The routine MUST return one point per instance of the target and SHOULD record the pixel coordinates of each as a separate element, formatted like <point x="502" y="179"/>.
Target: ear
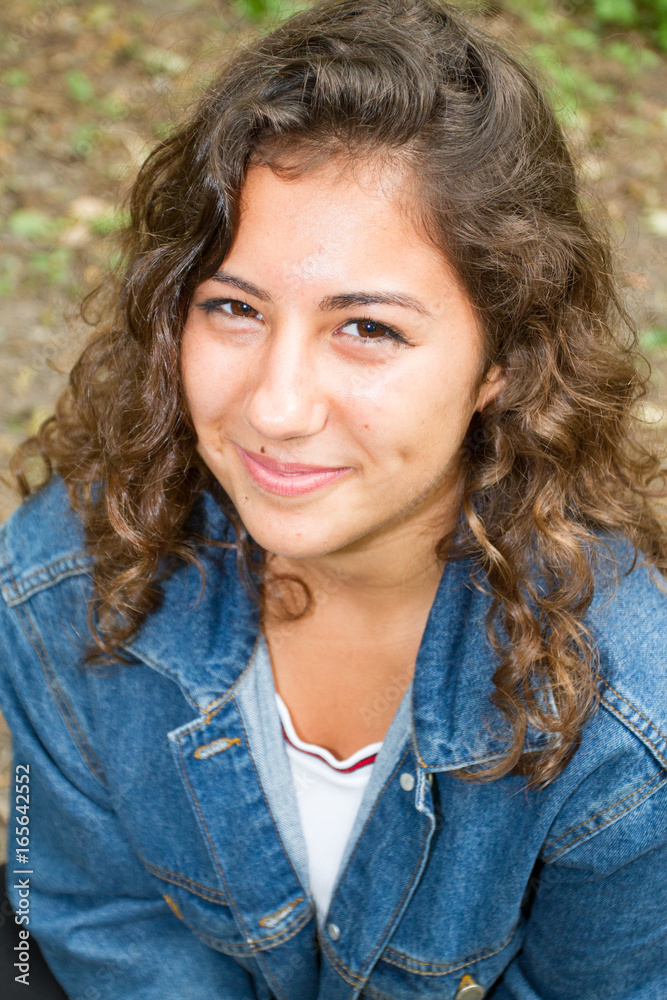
<point x="493" y="382"/>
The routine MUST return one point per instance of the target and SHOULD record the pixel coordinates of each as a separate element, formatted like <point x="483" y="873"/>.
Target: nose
<point x="284" y="398"/>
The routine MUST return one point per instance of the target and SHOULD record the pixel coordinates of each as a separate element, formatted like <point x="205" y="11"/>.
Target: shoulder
<point x="615" y="786"/>
<point x="46" y="582"/>
<point x="42" y="541"/>
<point x="43" y="694"/>
<point x="630" y="594"/>
<point x="628" y="623"/>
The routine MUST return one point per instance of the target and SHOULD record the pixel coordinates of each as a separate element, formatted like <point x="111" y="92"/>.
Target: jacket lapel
<point x="271" y="907"/>
<point x="453" y="721"/>
<point x="381" y="875"/>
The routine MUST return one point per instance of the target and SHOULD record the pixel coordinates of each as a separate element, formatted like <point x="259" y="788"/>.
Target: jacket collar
<point x="202" y="636"/>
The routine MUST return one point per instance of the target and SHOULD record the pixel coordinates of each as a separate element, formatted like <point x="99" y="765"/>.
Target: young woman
<point x="334" y="641"/>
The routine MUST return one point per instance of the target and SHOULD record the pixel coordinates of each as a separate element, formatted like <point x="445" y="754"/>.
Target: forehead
<point x="340" y="216"/>
<point x="372" y="187"/>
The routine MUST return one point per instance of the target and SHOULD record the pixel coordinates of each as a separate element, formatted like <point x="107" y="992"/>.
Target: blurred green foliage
<point x="274" y="10"/>
<point x="104" y="225"/>
<point x="52" y="266"/>
<point x="599" y="17"/>
<point x="32" y="224"/>
<point x="15" y="77"/>
<point x="79" y="87"/>
<point x="649" y="16"/>
<point x="654" y="338"/>
<point x="570" y="36"/>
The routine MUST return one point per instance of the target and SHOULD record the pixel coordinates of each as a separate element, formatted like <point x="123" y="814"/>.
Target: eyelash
<point x="213" y="305"/>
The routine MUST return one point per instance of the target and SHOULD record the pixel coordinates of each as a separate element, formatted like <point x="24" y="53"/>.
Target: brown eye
<point x="239" y="308"/>
<point x="368" y="328"/>
<point x="229" y="307"/>
<point x="368" y="331"/>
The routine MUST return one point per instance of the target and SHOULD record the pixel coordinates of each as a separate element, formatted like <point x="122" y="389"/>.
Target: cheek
<point x="421" y="415"/>
<point x="210" y="382"/>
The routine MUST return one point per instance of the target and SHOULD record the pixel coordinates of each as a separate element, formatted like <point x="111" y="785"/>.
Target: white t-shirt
<point x="328" y="793"/>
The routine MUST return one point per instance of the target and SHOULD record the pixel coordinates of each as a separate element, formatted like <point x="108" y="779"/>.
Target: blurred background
<point x="87" y="88"/>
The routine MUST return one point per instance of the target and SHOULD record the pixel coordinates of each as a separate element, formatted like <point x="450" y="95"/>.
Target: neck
<point x="379" y="576"/>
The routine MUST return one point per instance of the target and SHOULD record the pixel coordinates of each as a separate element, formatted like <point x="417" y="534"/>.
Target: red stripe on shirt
<point x="340" y="770"/>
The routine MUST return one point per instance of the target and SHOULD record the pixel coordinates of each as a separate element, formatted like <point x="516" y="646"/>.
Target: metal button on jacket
<point x="407" y="782"/>
<point x="469" y="989"/>
<point x="333" y="931"/>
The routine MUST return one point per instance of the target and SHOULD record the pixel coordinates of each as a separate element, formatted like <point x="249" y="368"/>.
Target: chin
<point x="291" y="547"/>
<point x="298" y="542"/>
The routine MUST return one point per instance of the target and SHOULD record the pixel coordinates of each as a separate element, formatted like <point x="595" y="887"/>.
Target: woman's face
<point x="333" y="336"/>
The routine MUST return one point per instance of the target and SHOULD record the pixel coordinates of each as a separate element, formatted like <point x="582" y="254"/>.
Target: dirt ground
<point x="87" y="87"/>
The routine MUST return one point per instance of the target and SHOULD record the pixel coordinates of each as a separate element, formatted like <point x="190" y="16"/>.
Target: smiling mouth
<point x="287" y="478"/>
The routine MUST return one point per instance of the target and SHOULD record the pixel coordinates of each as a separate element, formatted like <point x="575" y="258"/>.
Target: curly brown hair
<point x="556" y="461"/>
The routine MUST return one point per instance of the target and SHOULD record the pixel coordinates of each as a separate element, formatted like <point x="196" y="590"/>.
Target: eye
<point x="229" y="307"/>
<point x="370" y="331"/>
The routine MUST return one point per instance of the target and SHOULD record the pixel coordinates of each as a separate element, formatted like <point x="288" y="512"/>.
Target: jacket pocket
<point x="397" y="976"/>
<point x="202" y="908"/>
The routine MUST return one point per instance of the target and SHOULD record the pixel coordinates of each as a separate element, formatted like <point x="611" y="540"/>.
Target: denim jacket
<point x="165" y="858"/>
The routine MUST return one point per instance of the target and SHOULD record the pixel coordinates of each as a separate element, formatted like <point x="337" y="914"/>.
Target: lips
<point x="288" y="478"/>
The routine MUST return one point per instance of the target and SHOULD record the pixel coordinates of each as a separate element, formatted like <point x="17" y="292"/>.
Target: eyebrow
<point x="331" y="302"/>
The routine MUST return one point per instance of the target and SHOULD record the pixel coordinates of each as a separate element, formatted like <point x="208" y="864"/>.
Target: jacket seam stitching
<point x="350" y="977"/>
<point x="61" y="702"/>
<point x="261" y="788"/>
<point x="22" y="595"/>
<point x="374" y="992"/>
<point x="208" y="713"/>
<point x="58" y="697"/>
<point x="234" y="908"/>
<point x="410" y="883"/>
<point x="590" y="819"/>
<point x="230" y="693"/>
<point x="165" y="672"/>
<point x="184" y="883"/>
<point x="644" y="737"/>
<point x="479" y="759"/>
<point x="333" y="958"/>
<point x="257" y="943"/>
<point x="412" y="877"/>
<point x="447" y="970"/>
<point x="391" y="777"/>
<point x="602" y="826"/>
<point x="634" y="708"/>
